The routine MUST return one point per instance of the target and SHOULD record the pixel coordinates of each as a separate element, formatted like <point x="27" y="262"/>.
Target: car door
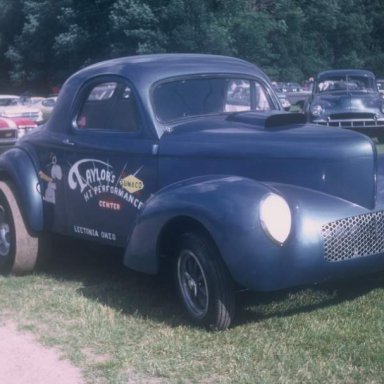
<point x="101" y="174"/>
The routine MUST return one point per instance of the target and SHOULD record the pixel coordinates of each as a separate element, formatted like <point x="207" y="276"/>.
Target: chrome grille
<point x="353" y="237"/>
<point x="353" y="120"/>
<point x="30" y="115"/>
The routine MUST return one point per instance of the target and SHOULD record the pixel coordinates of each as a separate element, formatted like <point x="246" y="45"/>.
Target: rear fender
<point x="17" y="166"/>
<point x="219" y="204"/>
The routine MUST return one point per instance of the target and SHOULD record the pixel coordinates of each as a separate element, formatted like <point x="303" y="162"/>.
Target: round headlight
<point x="316" y="110"/>
<point x="275" y="217"/>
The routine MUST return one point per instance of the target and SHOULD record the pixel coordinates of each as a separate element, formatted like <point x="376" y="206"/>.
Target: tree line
<point x="43" y="41"/>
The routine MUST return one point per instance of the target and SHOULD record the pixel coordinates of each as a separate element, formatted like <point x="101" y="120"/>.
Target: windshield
<point x="5" y="102"/>
<point x="204" y="96"/>
<point x="346" y="83"/>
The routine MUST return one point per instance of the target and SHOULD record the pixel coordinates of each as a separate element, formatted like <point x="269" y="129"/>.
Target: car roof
<point x="341" y="72"/>
<point x="151" y="68"/>
<point x="145" y="70"/>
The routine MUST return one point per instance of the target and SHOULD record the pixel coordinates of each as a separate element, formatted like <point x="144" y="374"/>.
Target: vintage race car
<point x="189" y="160"/>
<point x="347" y="98"/>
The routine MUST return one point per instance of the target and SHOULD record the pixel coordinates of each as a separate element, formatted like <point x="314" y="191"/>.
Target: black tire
<point x="203" y="282"/>
<point x="19" y="251"/>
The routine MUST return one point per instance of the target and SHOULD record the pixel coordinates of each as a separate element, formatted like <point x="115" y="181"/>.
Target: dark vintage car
<point x="347" y="98"/>
<point x="189" y="161"/>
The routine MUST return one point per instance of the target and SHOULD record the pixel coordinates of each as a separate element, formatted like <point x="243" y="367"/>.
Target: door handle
<point x="68" y="142"/>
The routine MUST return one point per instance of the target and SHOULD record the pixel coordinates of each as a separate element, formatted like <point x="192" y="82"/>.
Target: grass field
<point x="123" y="327"/>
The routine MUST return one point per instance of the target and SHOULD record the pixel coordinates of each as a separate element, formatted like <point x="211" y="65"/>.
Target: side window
<point x="238" y="97"/>
<point x="109" y="106"/>
<point x="262" y="101"/>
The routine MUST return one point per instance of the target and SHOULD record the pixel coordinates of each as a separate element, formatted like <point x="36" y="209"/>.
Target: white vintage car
<point x="10" y="107"/>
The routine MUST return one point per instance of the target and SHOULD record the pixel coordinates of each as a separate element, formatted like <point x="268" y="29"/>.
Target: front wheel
<point x="203" y="282"/>
<point x="19" y="251"/>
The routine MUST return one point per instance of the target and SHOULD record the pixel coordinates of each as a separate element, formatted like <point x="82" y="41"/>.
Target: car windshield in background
<point x="6" y="102"/>
<point x="178" y="99"/>
<point x="347" y="83"/>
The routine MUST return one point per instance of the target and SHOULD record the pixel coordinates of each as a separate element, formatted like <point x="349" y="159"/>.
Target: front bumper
<point x="351" y="120"/>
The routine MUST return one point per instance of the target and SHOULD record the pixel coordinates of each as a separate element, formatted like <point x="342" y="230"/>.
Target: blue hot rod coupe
<point x="191" y="159"/>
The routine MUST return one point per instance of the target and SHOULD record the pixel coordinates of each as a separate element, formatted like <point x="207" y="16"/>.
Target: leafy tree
<point x="11" y="21"/>
<point x="83" y="36"/>
<point x="30" y="53"/>
<point x="374" y="11"/>
<point x="134" y="28"/>
<point x="44" y="41"/>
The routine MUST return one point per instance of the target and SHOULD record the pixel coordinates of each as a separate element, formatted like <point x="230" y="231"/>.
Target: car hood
<point x="7" y="124"/>
<point x="23" y="121"/>
<point x="350" y="102"/>
<point x="273" y="148"/>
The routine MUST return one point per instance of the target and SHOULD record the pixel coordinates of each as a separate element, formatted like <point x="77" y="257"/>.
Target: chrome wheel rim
<point x="193" y="284"/>
<point x="5" y="244"/>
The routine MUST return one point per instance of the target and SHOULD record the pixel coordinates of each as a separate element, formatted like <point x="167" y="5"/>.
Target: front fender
<point x="17" y="166"/>
<point x="222" y="204"/>
<point x="228" y="208"/>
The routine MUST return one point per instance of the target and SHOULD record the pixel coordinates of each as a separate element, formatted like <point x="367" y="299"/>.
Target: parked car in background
<point x="292" y="95"/>
<point x="287" y="87"/>
<point x="30" y="100"/>
<point x="285" y="103"/>
<point x="44" y="104"/>
<point x="8" y="133"/>
<point x="347" y="98"/>
<point x="293" y="87"/>
<point x="12" y="107"/>
<point x="24" y="125"/>
<point x="188" y="162"/>
<point x="47" y="105"/>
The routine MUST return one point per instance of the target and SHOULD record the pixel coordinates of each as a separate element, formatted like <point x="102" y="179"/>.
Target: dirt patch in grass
<point x="23" y="360"/>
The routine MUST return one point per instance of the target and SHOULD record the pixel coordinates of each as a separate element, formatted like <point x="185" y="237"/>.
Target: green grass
<point x="119" y="326"/>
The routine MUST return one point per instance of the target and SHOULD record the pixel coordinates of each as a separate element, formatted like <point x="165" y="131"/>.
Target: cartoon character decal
<point x="54" y="176"/>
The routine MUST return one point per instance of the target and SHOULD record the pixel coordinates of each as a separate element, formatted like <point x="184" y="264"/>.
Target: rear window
<point x="109" y="106"/>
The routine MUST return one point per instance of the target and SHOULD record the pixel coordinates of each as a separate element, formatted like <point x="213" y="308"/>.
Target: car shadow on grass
<point x="255" y="306"/>
<point x="103" y="278"/>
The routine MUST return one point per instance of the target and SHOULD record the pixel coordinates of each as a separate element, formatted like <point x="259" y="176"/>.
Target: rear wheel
<point x="203" y="282"/>
<point x="19" y="251"/>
